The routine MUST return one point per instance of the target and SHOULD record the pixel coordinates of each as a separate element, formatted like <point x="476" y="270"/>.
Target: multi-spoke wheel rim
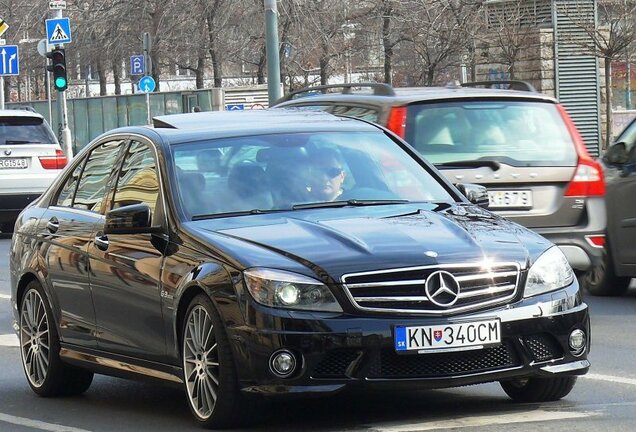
<point x="201" y="362"/>
<point x="34" y="338"/>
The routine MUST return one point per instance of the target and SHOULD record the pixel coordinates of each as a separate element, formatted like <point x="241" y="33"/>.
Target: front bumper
<point x="335" y="350"/>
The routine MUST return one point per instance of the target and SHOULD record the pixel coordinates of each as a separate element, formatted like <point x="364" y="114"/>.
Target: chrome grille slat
<point x="391" y="283"/>
<point x="403" y="290"/>
<point x="392" y="299"/>
<point x="490" y="290"/>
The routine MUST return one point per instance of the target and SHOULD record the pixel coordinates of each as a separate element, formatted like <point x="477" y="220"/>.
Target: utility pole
<point x="273" y="59"/>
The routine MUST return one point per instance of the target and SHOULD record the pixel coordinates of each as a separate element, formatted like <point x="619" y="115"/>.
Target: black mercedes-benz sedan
<point x="280" y="252"/>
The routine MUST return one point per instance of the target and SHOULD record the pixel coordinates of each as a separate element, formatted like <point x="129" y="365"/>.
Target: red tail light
<point x="397" y="121"/>
<point x="54" y="162"/>
<point x="588" y="178"/>
<point x="596" y="240"/>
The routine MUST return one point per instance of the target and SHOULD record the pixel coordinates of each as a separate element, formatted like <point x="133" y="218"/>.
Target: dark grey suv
<point x="519" y="143"/>
<point x="620" y="174"/>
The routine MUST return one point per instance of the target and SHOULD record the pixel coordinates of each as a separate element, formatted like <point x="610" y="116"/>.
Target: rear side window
<point x="361" y="112"/>
<point x="518" y="133"/>
<point x="25" y="130"/>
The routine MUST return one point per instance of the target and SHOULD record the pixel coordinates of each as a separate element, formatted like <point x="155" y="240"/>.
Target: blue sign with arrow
<point x="10" y="61"/>
<point x="235" y="107"/>
<point x="137" y="65"/>
<point x="146" y="84"/>
<point x="58" y="31"/>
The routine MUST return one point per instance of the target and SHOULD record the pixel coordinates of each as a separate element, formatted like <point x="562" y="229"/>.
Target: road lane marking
<point x="9" y="340"/>
<point x="36" y="424"/>
<point x="612" y="379"/>
<point x="488" y="420"/>
<point x="5" y="296"/>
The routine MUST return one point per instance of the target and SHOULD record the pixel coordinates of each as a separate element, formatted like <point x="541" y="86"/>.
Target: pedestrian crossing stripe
<point x="3" y="26"/>
<point x="59" y="34"/>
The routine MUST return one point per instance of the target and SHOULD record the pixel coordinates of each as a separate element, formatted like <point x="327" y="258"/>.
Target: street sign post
<point x="58" y="31"/>
<point x="147" y="84"/>
<point x="10" y="63"/>
<point x="137" y="65"/>
<point x="235" y="107"/>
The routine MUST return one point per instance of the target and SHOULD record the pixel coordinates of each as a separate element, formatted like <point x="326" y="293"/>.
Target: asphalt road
<point x="604" y="400"/>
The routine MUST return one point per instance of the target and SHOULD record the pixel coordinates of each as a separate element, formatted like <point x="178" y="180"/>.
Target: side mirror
<point x="130" y="219"/>
<point x="617" y="155"/>
<point x="476" y="194"/>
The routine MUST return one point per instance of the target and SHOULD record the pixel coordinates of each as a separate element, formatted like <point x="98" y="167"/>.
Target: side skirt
<point x="120" y="366"/>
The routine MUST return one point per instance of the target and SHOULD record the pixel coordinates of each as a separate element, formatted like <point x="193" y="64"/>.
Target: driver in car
<point x="326" y="175"/>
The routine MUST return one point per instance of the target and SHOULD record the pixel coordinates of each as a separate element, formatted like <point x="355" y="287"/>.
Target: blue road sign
<point x="10" y="60"/>
<point x="137" y="65"/>
<point x="146" y="84"/>
<point x="235" y="107"/>
<point x="58" y="31"/>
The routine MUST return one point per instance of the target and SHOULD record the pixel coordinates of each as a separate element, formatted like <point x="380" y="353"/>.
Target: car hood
<point x="345" y="240"/>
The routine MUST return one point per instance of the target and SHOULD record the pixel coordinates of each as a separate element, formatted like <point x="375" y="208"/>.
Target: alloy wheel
<point x="201" y="362"/>
<point x="35" y="340"/>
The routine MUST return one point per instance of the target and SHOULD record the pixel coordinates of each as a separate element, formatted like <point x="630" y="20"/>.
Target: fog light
<point x="577" y="341"/>
<point x="282" y="363"/>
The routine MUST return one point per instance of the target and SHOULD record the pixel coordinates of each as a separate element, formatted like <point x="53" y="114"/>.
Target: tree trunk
<point x="386" y="43"/>
<point x="262" y="63"/>
<point x="200" y="72"/>
<point x="324" y="73"/>
<point x="117" y="76"/>
<point x="608" y="105"/>
<point x="430" y="75"/>
<point x="217" y="69"/>
<point x="102" y="79"/>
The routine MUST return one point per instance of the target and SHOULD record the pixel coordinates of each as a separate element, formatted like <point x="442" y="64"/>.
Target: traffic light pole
<point x="63" y="131"/>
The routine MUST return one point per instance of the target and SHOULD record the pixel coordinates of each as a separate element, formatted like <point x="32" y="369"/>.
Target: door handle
<point x="53" y="225"/>
<point x="101" y="241"/>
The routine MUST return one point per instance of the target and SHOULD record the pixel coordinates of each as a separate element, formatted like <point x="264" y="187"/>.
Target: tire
<point x="45" y="372"/>
<point x="539" y="389"/>
<point x="602" y="279"/>
<point x="210" y="378"/>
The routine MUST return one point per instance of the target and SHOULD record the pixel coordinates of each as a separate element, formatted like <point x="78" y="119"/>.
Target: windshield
<point x="518" y="133"/>
<point x="291" y="171"/>
<point x="25" y="130"/>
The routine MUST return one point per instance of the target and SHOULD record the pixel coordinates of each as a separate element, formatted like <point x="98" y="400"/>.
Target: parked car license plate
<point x="510" y="199"/>
<point x="472" y="334"/>
<point x="13" y="163"/>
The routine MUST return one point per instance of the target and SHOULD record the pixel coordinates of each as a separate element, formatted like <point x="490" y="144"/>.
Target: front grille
<point x="543" y="347"/>
<point x="389" y="364"/>
<point x="335" y="363"/>
<point x="404" y="290"/>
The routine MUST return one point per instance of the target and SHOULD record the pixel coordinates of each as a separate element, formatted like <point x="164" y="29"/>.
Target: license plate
<point x="439" y="337"/>
<point x="510" y="199"/>
<point x="13" y="163"/>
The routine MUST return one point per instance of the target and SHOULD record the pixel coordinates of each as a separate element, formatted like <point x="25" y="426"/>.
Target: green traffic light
<point x="60" y="82"/>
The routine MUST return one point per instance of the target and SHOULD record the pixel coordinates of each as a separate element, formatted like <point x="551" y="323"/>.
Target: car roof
<point x="407" y="95"/>
<point x="19" y="113"/>
<point x="188" y="127"/>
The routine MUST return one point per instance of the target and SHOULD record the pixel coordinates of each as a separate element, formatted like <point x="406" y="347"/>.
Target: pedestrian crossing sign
<point x="58" y="31"/>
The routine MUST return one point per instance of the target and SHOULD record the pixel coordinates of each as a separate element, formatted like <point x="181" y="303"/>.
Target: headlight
<point x="550" y="272"/>
<point x="277" y="288"/>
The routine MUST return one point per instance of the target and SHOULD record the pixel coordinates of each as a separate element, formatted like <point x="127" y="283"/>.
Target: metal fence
<point x="90" y="117"/>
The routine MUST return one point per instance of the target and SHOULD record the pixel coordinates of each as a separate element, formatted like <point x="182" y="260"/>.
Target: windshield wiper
<point x="234" y="213"/>
<point x="351" y="202"/>
<point x="492" y="164"/>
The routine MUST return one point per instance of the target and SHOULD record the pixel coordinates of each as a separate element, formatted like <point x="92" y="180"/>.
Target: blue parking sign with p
<point x="137" y="65"/>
